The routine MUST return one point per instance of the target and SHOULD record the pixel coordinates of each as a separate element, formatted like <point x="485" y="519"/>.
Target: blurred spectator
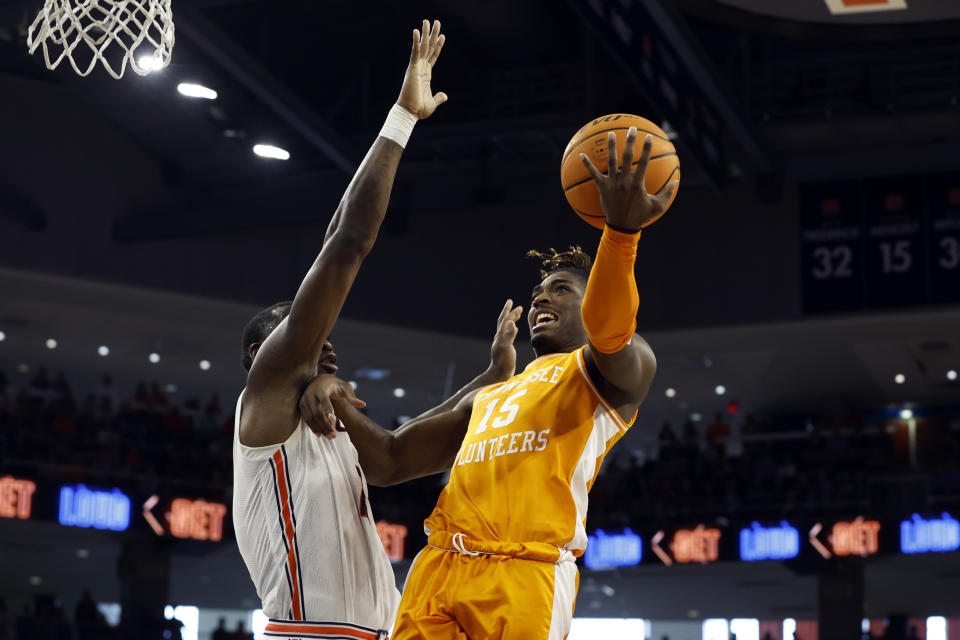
<point x="221" y="633"/>
<point x="666" y="437"/>
<point x="690" y="434"/>
<point x="719" y="428"/>
<point x="89" y="621"/>
<point x="241" y="633"/>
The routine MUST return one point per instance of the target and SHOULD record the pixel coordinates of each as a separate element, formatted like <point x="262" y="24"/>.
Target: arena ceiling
<point x="128" y="182"/>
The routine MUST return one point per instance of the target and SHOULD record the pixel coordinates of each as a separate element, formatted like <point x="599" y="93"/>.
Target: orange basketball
<point x="591" y="139"/>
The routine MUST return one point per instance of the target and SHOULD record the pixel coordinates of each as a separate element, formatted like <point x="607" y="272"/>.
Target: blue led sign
<point x="769" y="543"/>
<point x="919" y="535"/>
<point x="97" y="508"/>
<point x="605" y="551"/>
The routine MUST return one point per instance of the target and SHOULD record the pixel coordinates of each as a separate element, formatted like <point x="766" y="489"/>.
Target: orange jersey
<point x="533" y="448"/>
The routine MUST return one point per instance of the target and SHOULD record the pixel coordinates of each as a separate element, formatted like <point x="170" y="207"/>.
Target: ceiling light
<point x="695" y="417"/>
<point x="270" y="151"/>
<point x="170" y="388"/>
<point x="51" y="343"/>
<point x="154" y="357"/>
<point x="720" y="390"/>
<point x="192" y="90"/>
<point x="35" y="580"/>
<point x="23" y="367"/>
<point x="83" y="553"/>
<point x="671" y="392"/>
<point x="399" y="392"/>
<point x="353" y="385"/>
<point x="103" y="350"/>
<point x="951" y="375"/>
<point x="3" y="336"/>
<point x="205" y="365"/>
<point x="899" y="378"/>
<point x="906" y="414"/>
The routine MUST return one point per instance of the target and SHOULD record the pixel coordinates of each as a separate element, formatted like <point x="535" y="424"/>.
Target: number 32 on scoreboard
<point x="832" y="262"/>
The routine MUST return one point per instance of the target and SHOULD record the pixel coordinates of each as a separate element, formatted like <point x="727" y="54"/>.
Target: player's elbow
<point x="353" y="242"/>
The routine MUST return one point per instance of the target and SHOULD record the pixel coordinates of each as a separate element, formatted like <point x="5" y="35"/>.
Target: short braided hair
<point x="573" y="259"/>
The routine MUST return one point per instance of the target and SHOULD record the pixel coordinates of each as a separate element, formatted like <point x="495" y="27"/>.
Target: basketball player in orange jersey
<point x="302" y="520"/>
<point x="503" y="538"/>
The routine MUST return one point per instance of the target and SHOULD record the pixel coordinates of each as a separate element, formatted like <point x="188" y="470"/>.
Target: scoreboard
<point x="880" y="243"/>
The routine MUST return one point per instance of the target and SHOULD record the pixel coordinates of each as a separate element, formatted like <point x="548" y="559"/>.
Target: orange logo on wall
<point x="696" y="545"/>
<point x="858" y="538"/>
<point x="197" y="519"/>
<point x="16" y="496"/>
<point x="392" y="536"/>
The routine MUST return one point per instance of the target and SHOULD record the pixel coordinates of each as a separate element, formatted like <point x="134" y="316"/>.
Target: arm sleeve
<point x="611" y="301"/>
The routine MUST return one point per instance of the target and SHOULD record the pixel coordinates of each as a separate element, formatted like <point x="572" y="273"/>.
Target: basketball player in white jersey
<point x="301" y="515"/>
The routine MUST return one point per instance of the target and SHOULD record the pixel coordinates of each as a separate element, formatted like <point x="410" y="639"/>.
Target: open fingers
<point x="612" y="160"/>
<point x="434" y="35"/>
<point x="425" y="39"/>
<point x="505" y="311"/>
<point x="435" y="53"/>
<point x="592" y="168"/>
<point x="415" y="49"/>
<point x="644" y="161"/>
<point x="628" y="150"/>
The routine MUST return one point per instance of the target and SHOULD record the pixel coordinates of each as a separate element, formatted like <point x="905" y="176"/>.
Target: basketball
<point x="591" y="139"/>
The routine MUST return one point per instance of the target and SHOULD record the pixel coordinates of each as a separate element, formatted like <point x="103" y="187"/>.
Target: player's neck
<point x="551" y="349"/>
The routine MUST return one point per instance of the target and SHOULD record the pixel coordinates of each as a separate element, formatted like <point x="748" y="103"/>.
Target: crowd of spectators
<point x="813" y="467"/>
<point x="47" y="619"/>
<point x="758" y="468"/>
<point x="146" y="439"/>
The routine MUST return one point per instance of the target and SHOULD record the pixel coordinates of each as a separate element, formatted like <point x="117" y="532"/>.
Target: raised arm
<point x="289" y="356"/>
<point x="610" y="303"/>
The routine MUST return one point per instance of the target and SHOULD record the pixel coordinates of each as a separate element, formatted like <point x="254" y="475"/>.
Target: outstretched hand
<point x="316" y="403"/>
<point x="623" y="191"/>
<point x="416" y="96"/>
<point x="503" y="354"/>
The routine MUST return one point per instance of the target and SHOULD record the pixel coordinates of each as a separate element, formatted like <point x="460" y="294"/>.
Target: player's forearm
<point x="428" y="446"/>
<point x="419" y="448"/>
<point x="611" y="300"/>
<point x="349" y="239"/>
<point x="364" y="204"/>
<point x="372" y="442"/>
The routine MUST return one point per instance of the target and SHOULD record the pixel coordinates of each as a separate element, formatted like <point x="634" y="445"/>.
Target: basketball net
<point x="113" y="32"/>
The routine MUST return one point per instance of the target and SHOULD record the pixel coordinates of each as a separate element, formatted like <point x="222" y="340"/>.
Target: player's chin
<point x="540" y="341"/>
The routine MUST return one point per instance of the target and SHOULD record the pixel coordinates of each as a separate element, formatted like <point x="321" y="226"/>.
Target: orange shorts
<point x="455" y="595"/>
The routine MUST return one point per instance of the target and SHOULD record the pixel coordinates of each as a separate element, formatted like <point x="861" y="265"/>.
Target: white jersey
<point x="306" y="533"/>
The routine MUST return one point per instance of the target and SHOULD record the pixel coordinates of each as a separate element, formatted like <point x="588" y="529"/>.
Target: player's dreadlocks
<point x="574" y="259"/>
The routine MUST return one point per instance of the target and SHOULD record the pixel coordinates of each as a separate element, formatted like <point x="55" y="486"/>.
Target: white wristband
<point x="399" y="125"/>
